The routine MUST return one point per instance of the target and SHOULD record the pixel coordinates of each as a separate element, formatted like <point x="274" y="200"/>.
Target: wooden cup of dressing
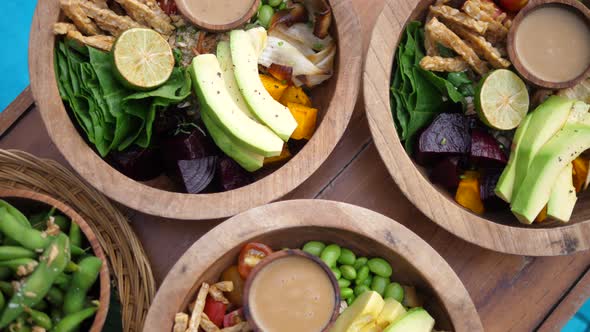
<point x="218" y="15"/>
<point x="549" y="43"/>
<point x="291" y="291"/>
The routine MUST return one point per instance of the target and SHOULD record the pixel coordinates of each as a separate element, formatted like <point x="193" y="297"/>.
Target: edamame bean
<point x="2" y="301"/>
<point x="346" y="293"/>
<point x="343" y="283"/>
<point x="55" y="296"/>
<point x="380" y="267"/>
<point x="330" y="255"/>
<point x="360" y="262"/>
<point x="75" y="235"/>
<point x="62" y="222"/>
<point x="5" y="273"/>
<point x="379" y="284"/>
<point x="71" y="322"/>
<point x="360" y="289"/>
<point x="26" y="236"/>
<point x="71" y="267"/>
<point x="347" y="257"/>
<point x="368" y="281"/>
<point x="41" y="306"/>
<point x="15" y="213"/>
<point x="394" y="291"/>
<point x="275" y="3"/>
<point x="362" y="274"/>
<point x="12" y="252"/>
<point x="336" y="272"/>
<point x="39" y="318"/>
<point x="82" y="280"/>
<point x="348" y="272"/>
<point x="314" y="248"/>
<point x="265" y="14"/>
<point x="350" y="300"/>
<point x="6" y="288"/>
<point x="63" y="281"/>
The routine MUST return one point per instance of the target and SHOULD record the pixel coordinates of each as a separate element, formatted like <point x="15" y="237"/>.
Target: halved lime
<point x="143" y="58"/>
<point x="502" y="100"/>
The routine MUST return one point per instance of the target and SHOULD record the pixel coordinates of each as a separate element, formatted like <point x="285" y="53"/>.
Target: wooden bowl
<point x="291" y="224"/>
<point x="27" y="200"/>
<point x="199" y="21"/>
<point x="524" y="72"/>
<point x="335" y="100"/>
<point x="495" y="231"/>
<point x="282" y="254"/>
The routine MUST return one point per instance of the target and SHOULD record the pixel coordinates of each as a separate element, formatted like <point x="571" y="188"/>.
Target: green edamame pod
<point x="27" y="237"/>
<point x="2" y="301"/>
<point x="274" y="3"/>
<point x="55" y="296"/>
<point x="379" y="284"/>
<point x="330" y="255"/>
<point x="83" y="279"/>
<point x="5" y="273"/>
<point x="14" y="264"/>
<point x="12" y="252"/>
<point x="77" y="251"/>
<point x="71" y="267"/>
<point x="19" y="326"/>
<point x="348" y="272"/>
<point x="35" y="287"/>
<point x="314" y="248"/>
<point x="336" y="272"/>
<point x="265" y="13"/>
<point x="41" y="306"/>
<point x="360" y="289"/>
<point x="394" y="291"/>
<point x="62" y="222"/>
<point x="56" y="315"/>
<point x="39" y="318"/>
<point x="360" y="262"/>
<point x="343" y="283"/>
<point x="362" y="274"/>
<point x="71" y="322"/>
<point x="6" y="288"/>
<point x="346" y="292"/>
<point x="15" y="213"/>
<point x="380" y="267"/>
<point x="350" y="300"/>
<point x="367" y="282"/>
<point x="75" y="235"/>
<point x="347" y="257"/>
<point x="63" y="281"/>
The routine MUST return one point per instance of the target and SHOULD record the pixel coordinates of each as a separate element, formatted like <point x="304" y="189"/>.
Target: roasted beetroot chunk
<point x="447" y="172"/>
<point x="230" y="175"/>
<point x="137" y="163"/>
<point x="486" y="150"/>
<point x="197" y="174"/>
<point x="448" y="135"/>
<point x="487" y="186"/>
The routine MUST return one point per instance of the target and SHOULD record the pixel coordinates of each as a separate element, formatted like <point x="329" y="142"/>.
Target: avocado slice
<point x="249" y="160"/>
<point x="505" y="185"/>
<point x="269" y="111"/>
<point x="392" y="310"/>
<point x="365" y="309"/>
<point x="415" y="320"/>
<point x="549" y="162"/>
<point x="212" y="93"/>
<point x="227" y="70"/>
<point x="563" y="196"/>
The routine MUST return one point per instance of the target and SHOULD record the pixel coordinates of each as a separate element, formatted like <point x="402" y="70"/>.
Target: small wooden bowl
<point x="27" y="200"/>
<point x="335" y="100"/>
<point x="199" y="21"/>
<point x="273" y="258"/>
<point x="495" y="231"/>
<point x="291" y="224"/>
<point x="524" y="72"/>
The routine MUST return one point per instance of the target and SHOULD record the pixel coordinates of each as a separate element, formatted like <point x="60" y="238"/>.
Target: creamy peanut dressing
<point x="553" y="43"/>
<point x="218" y="12"/>
<point x="291" y="294"/>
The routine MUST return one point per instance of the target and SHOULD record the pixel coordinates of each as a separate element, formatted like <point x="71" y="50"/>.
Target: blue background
<point x="15" y="25"/>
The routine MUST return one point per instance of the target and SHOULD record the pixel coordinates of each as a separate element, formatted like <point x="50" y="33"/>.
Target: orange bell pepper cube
<point x="284" y="156"/>
<point x="306" y="118"/>
<point x="580" y="173"/>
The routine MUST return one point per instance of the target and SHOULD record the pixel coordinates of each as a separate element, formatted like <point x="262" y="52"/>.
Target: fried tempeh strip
<point x="207" y="325"/>
<point x="101" y="42"/>
<point x="217" y="295"/>
<point x="155" y="7"/>
<point x="482" y="47"/>
<point x="74" y="12"/>
<point x="101" y="3"/>
<point x="453" y="15"/>
<point x="195" y="321"/>
<point x="180" y="322"/>
<point x="476" y="9"/>
<point x="146" y="16"/>
<point x="225" y="286"/>
<point x="446" y="37"/>
<point x="240" y="327"/>
<point x="108" y="20"/>
<point x="429" y="45"/>
<point x="437" y="63"/>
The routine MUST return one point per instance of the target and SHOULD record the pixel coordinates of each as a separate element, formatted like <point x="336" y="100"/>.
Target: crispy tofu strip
<point x="477" y="10"/>
<point x="195" y="321"/>
<point x="101" y="3"/>
<point x="225" y="286"/>
<point x="207" y="325"/>
<point x="482" y="47"/>
<point x="101" y="42"/>
<point x="453" y="15"/>
<point x="146" y="16"/>
<point x="180" y="322"/>
<point x="240" y="327"/>
<point x="437" y="63"/>
<point x="429" y="45"/>
<point x="217" y="295"/>
<point x="62" y="28"/>
<point x="448" y="38"/>
<point x="108" y="20"/>
<point x="73" y="10"/>
<point x="155" y="7"/>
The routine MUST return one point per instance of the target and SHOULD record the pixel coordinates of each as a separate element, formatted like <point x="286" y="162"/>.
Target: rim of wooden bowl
<point x="149" y="200"/>
<point x="180" y="282"/>
<point x="533" y="5"/>
<point x="416" y="187"/>
<point x="105" y="284"/>
<point x="182" y="6"/>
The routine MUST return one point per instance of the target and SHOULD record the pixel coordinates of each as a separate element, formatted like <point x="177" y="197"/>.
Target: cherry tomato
<point x="232" y="274"/>
<point x="168" y="6"/>
<point x="215" y="310"/>
<point x="250" y="256"/>
<point x="513" y="5"/>
<point x="233" y="318"/>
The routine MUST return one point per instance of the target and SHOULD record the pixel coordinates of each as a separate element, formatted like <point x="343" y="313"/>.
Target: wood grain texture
<point x="15" y="110"/>
<point x="522" y="70"/>
<point x="500" y="233"/>
<point x="336" y="99"/>
<point x="291" y="224"/>
<point x="26" y="199"/>
<point x="193" y="16"/>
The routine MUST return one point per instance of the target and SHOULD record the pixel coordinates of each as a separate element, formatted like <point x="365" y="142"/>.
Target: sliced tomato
<point x="168" y="6"/>
<point x="233" y="318"/>
<point x="250" y="256"/>
<point x="215" y="310"/>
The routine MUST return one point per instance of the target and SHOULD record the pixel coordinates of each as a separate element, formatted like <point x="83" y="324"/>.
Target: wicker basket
<point x="127" y="260"/>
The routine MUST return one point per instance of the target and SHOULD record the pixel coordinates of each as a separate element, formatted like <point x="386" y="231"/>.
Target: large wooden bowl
<point x="27" y="200"/>
<point x="291" y="224"/>
<point x="335" y="100"/>
<point x="499" y="231"/>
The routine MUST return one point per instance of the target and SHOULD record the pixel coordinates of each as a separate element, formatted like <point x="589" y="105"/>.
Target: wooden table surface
<point x="511" y="293"/>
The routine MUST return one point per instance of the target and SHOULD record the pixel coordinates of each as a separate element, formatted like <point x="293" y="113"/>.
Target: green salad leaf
<point x="112" y="116"/>
<point x="418" y="95"/>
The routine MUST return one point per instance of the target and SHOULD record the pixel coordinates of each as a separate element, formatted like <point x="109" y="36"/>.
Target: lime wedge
<point x="502" y="100"/>
<point x="143" y="58"/>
